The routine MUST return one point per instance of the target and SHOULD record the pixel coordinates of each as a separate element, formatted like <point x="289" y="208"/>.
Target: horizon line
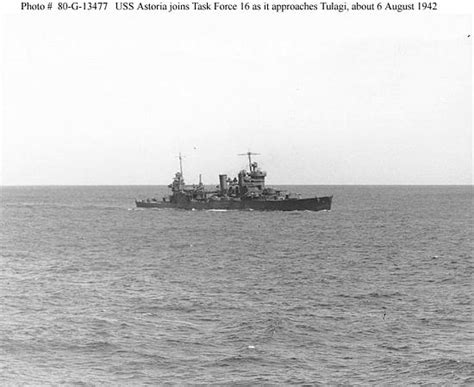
<point x="297" y="184"/>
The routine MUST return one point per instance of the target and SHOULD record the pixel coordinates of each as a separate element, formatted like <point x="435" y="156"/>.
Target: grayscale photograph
<point x="276" y="194"/>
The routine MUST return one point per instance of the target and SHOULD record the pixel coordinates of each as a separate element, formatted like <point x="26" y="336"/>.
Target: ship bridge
<point x="257" y="176"/>
<point x="254" y="180"/>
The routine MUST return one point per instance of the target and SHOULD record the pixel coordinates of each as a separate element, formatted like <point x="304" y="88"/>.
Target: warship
<point x="247" y="191"/>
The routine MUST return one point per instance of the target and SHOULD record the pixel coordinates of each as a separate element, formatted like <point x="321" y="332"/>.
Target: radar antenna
<point x="249" y="154"/>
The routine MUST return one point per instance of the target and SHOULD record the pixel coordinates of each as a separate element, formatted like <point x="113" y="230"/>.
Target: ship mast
<point x="249" y="154"/>
<point x="180" y="164"/>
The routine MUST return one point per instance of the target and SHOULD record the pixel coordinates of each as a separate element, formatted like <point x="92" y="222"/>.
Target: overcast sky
<point x="112" y="99"/>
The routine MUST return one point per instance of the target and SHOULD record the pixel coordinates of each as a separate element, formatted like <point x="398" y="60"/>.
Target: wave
<point x="447" y="367"/>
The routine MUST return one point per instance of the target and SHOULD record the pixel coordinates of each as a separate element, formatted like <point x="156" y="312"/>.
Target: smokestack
<point x="223" y="184"/>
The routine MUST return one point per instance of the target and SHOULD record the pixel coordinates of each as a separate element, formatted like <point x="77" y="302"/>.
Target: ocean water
<point x="376" y="291"/>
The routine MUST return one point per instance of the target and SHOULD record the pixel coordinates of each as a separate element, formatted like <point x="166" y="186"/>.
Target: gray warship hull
<point x="308" y="204"/>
